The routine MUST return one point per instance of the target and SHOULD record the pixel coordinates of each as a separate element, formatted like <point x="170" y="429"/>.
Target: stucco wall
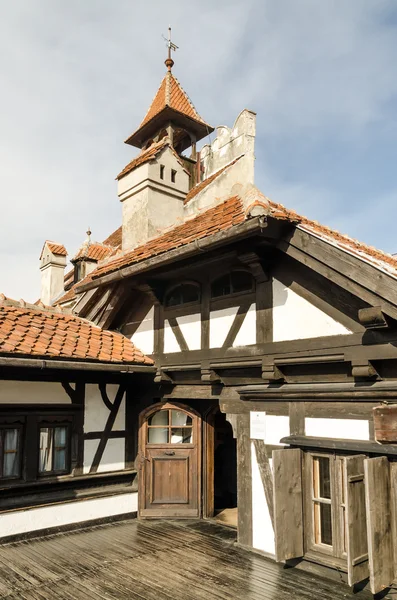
<point x="32" y="392"/>
<point x="143" y="337"/>
<point x="34" y="519"/>
<point x="295" y="318"/>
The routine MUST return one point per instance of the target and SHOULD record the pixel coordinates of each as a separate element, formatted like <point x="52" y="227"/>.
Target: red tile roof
<point x="114" y="238"/>
<point x="211" y="221"/>
<point x="144" y="157"/>
<point x="94" y="251"/>
<point x="32" y="331"/>
<point x="55" y="248"/>
<point x="171" y="94"/>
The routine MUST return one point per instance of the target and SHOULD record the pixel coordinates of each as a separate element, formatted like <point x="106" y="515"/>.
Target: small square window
<point x="162" y="167"/>
<point x="54" y="450"/>
<point x="173" y="175"/>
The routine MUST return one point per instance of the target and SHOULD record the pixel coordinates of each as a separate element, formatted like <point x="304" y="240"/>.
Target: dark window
<point x="173" y="175"/>
<point x="183" y="294"/>
<point x="162" y="167"/>
<point x="232" y="283"/>
<point x="10" y="453"/>
<point x="54" y="450"/>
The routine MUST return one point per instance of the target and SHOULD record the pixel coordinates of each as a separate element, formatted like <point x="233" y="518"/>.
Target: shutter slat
<point x="356" y="527"/>
<point x="288" y="508"/>
<point x="379" y="524"/>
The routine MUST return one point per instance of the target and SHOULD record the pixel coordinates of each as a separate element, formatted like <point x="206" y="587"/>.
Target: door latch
<point x="169" y="453"/>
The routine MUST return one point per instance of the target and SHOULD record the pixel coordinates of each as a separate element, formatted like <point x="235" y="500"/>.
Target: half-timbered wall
<point x="32" y="392"/>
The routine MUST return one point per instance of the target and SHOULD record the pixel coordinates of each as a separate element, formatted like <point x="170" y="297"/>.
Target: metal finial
<point x="88" y="232"/>
<point x="169" y="63"/>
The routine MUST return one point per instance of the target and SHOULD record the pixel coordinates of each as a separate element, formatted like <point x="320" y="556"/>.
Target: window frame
<point x="53" y="424"/>
<point x="337" y="551"/>
<point x="183" y="305"/>
<point x="20" y="428"/>
<point x="218" y="299"/>
<point x="174" y="173"/>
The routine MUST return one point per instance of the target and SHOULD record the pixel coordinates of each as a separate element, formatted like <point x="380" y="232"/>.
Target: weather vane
<point x="171" y="47"/>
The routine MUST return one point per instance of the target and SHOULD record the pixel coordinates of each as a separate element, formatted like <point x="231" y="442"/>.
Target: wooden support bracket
<point x="252" y="261"/>
<point x="162" y="377"/>
<point x="373" y="318"/>
<point x="271" y="373"/>
<point x="210" y="376"/>
<point x="364" y="369"/>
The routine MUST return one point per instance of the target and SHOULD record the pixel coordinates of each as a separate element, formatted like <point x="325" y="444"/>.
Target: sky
<point x="77" y="77"/>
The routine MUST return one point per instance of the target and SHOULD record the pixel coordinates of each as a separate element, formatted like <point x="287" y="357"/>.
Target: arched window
<point x="235" y="282"/>
<point x="184" y="293"/>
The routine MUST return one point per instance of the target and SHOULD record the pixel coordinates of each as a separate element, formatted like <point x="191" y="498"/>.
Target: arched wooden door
<point x="170" y="462"/>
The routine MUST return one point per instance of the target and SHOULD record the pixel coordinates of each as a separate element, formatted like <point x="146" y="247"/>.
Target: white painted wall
<point x="32" y="392"/>
<point x="34" y="519"/>
<point x="277" y="427"/>
<point x="346" y="429"/>
<point x="95" y="411"/>
<point x="190" y="325"/>
<point x="220" y="324"/>
<point x="247" y="333"/>
<point x="262" y="528"/>
<point x="143" y="337"/>
<point x="113" y="458"/>
<point x="294" y="318"/>
<point x="170" y="341"/>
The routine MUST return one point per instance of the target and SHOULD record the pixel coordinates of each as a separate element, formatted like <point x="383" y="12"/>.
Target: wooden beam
<point x="262" y="460"/>
<point x="244" y="481"/>
<point x="366" y="447"/>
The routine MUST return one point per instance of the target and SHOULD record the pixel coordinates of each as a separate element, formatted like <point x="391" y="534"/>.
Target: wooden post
<point x="244" y="481"/>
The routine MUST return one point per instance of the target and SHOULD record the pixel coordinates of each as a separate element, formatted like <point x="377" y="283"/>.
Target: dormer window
<point x="173" y="175"/>
<point x="185" y="293"/>
<point x="162" y="168"/>
<point x="236" y="282"/>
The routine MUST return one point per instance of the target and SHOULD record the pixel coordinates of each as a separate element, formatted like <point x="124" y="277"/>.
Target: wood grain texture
<point x="288" y="507"/>
<point x="244" y="481"/>
<point x="379" y="523"/>
<point x="356" y="519"/>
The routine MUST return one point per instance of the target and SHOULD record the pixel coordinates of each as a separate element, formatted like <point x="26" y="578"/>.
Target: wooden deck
<point x="153" y="560"/>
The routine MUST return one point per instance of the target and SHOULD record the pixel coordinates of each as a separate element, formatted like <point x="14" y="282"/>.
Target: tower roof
<point x="171" y="103"/>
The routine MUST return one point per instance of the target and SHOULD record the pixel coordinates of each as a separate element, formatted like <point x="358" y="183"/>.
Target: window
<point x="173" y="175"/>
<point x="53" y="457"/>
<point x="184" y="293"/>
<point x="162" y="167"/>
<point x="232" y="283"/>
<point x="326" y="510"/>
<point x="10" y="453"/>
<point x="170" y="427"/>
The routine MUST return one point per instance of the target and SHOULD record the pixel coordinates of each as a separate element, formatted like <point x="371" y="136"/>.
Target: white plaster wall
<point x="262" y="528"/>
<point x="277" y="427"/>
<point x="295" y="318"/>
<point x="95" y="411"/>
<point x="247" y="333"/>
<point x="346" y="429"/>
<point x="170" y="341"/>
<point x="34" y="519"/>
<point x="220" y="324"/>
<point x="190" y="325"/>
<point x="143" y="337"/>
<point x="113" y="458"/>
<point x="32" y="392"/>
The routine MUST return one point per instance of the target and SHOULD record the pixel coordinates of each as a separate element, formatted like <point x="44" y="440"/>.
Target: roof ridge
<point x="40" y="306"/>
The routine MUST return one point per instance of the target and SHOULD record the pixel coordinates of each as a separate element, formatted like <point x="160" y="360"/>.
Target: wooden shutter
<point x="378" y="505"/>
<point x="356" y="519"/>
<point x="288" y="508"/>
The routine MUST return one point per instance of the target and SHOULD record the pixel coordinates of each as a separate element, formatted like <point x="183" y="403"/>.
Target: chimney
<point x="52" y="267"/>
<point x="152" y="193"/>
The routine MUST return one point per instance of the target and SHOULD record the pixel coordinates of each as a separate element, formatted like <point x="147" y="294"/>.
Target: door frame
<point x="143" y="417"/>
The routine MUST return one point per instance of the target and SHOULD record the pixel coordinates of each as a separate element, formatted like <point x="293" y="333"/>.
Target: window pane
<point x="321" y="478"/>
<point x="178" y="417"/>
<point x="159" y="418"/>
<point x="183" y="294"/>
<point x="60" y="459"/>
<point x="241" y="281"/>
<point x="11" y="453"/>
<point x="326" y="524"/>
<point x="221" y="287"/>
<point x="158" y="435"/>
<point x="181" y="435"/>
<point x="46" y="441"/>
<point x="60" y="436"/>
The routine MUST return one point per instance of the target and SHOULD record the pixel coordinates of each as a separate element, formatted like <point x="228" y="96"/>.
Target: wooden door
<point x="170" y="460"/>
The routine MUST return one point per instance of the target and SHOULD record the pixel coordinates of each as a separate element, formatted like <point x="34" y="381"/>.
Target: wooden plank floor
<point x="153" y="560"/>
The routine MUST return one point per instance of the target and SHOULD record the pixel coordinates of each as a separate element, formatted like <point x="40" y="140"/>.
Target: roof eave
<point x="210" y="242"/>
<point x="143" y="133"/>
<point x="77" y="365"/>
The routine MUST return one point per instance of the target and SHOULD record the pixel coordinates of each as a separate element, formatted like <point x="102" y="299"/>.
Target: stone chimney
<point x="152" y="193"/>
<point x="52" y="267"/>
